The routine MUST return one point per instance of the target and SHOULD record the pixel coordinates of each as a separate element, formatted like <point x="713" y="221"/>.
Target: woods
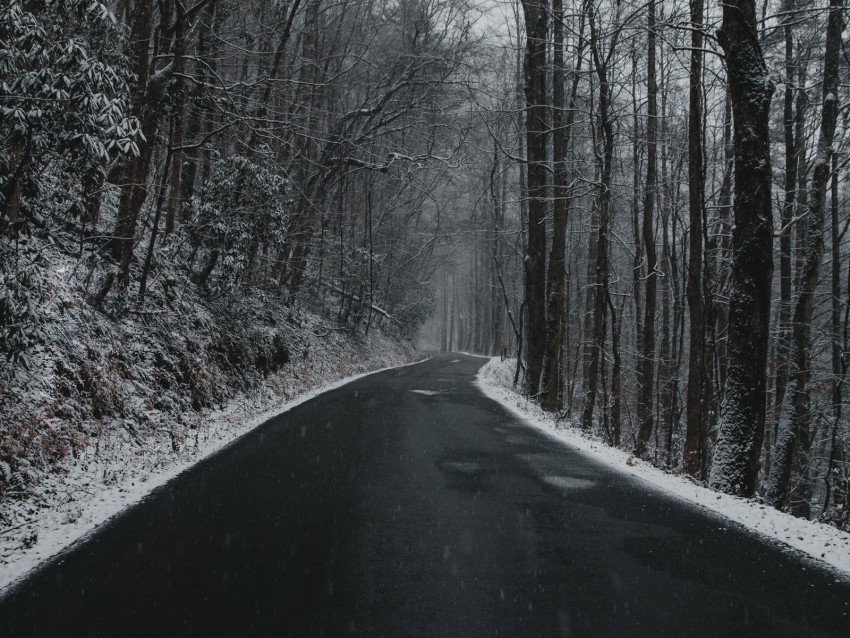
<point x="645" y="201"/>
<point x="690" y="215"/>
<point x="193" y="191"/>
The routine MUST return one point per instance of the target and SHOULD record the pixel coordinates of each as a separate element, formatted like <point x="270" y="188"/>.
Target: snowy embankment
<point x="823" y="543"/>
<point x="118" y="470"/>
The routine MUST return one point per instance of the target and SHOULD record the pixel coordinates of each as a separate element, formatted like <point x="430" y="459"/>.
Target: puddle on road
<point x="427" y="393"/>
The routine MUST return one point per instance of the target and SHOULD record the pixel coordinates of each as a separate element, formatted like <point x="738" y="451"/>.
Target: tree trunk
<point x="741" y="428"/>
<point x="181" y="43"/>
<point x="794" y="421"/>
<point x="694" y="454"/>
<point x="783" y="342"/>
<point x="536" y="23"/>
<point x="646" y="361"/>
<point x="562" y="122"/>
<point x="835" y="325"/>
<point x="724" y="257"/>
<point x="497" y="313"/>
<point x="616" y="376"/>
<point x="637" y="260"/>
<point x="606" y="159"/>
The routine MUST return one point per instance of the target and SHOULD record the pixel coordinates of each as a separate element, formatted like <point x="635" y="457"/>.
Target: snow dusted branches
<point x="64" y="96"/>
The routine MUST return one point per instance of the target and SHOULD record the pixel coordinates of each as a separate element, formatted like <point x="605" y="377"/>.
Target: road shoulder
<point x="81" y="502"/>
<point x="822" y="544"/>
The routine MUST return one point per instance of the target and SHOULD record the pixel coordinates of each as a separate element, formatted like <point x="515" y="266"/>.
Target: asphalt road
<point x="408" y="504"/>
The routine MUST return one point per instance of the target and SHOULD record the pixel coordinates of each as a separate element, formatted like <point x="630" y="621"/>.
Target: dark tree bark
<point x="794" y="423"/>
<point x="536" y="26"/>
<point x="563" y="117"/>
<point x="838" y="360"/>
<point x="181" y="43"/>
<point x="497" y="314"/>
<point x="741" y="428"/>
<point x="637" y="260"/>
<point x="444" y="324"/>
<point x="646" y="361"/>
<point x="694" y="454"/>
<point x="723" y="258"/>
<point x="801" y="142"/>
<point x="605" y="159"/>
<point x="787" y="214"/>
<point x="146" y="268"/>
<point x="195" y="163"/>
<point x="616" y="376"/>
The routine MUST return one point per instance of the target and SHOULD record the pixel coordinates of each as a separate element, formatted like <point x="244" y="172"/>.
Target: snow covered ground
<point x="116" y="473"/>
<point x="822" y="543"/>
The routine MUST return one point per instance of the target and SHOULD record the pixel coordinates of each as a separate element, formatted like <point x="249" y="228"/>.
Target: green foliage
<point x="64" y="96"/>
<point x="239" y="219"/>
<point x="23" y="286"/>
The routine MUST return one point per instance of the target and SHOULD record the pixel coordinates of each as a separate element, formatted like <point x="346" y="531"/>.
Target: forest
<point x="644" y="201"/>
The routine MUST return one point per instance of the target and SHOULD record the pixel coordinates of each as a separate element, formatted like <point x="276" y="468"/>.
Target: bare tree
<point x="794" y="424"/>
<point x="695" y="462"/>
<point x="741" y="428"/>
<point x="646" y="362"/>
<point x="536" y="44"/>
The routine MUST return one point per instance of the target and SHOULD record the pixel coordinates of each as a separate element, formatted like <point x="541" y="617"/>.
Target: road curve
<point x="408" y="504"/>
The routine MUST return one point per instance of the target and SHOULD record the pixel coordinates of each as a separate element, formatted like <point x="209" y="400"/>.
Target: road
<point x="408" y="504"/>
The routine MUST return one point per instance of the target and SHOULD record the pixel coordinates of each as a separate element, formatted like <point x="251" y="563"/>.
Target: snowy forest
<point x="666" y="247"/>
<point x="644" y="202"/>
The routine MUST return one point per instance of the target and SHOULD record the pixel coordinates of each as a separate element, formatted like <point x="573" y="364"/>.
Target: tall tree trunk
<point x="606" y="160"/>
<point x="556" y="312"/>
<point x="198" y="115"/>
<point x="694" y="460"/>
<point x="637" y="260"/>
<point x="783" y="340"/>
<point x="801" y="143"/>
<point x="146" y="268"/>
<point x="668" y="338"/>
<point x="795" y="419"/>
<point x="563" y="117"/>
<point x="181" y="43"/>
<point x="444" y="324"/>
<point x="741" y="428"/>
<point x="723" y="259"/>
<point x="646" y="361"/>
<point x="450" y="346"/>
<point x="536" y="23"/>
<point x="497" y="313"/>
<point x="835" y="325"/>
<point x="616" y="375"/>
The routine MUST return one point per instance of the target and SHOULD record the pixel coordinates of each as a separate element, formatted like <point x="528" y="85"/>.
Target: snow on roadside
<point x="99" y="485"/>
<point x="823" y="543"/>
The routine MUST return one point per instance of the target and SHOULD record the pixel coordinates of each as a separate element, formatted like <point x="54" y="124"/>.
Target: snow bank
<point x="106" y="478"/>
<point x="822" y="543"/>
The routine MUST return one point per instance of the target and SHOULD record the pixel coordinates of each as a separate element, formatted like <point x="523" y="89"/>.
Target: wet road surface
<point x="408" y="504"/>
